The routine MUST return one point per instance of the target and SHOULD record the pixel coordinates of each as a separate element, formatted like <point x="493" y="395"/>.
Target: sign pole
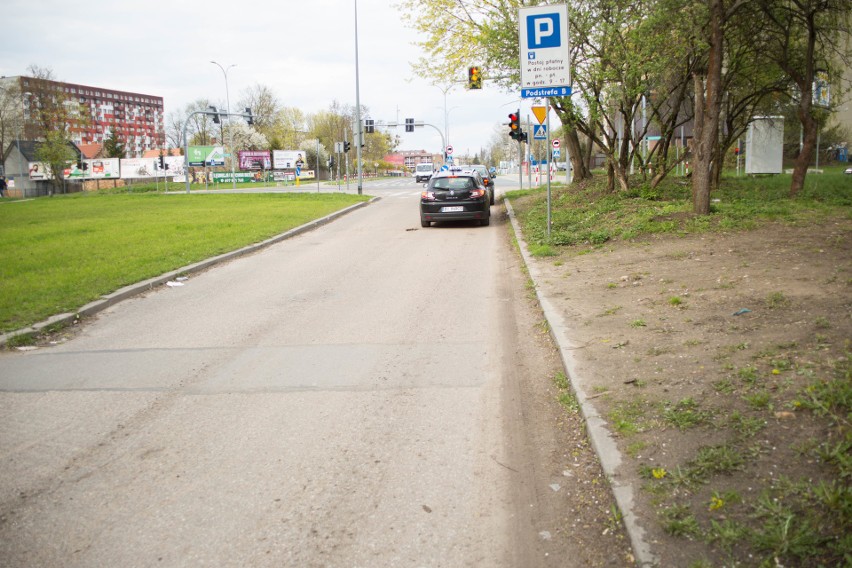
<point x="547" y="153"/>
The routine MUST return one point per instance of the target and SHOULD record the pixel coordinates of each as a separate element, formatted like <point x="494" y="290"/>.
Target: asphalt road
<point x="336" y="399"/>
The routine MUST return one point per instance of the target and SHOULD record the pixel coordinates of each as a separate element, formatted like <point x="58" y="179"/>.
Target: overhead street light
<point x="230" y="130"/>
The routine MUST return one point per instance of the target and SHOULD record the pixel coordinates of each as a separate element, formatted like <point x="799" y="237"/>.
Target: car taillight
<point x="485" y="180"/>
<point x="477" y="192"/>
<point x="427" y="195"/>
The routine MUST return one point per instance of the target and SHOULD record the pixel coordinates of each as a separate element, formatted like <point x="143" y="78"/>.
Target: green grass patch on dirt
<point x="587" y="214"/>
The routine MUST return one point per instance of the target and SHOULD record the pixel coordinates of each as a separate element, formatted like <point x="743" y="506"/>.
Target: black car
<point x="455" y="196"/>
<point x="487" y="179"/>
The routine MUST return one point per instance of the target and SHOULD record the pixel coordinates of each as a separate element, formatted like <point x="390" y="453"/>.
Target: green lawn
<point x="57" y="254"/>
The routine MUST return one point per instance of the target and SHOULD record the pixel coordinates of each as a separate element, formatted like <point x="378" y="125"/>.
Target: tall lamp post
<point x="230" y="130"/>
<point x="359" y="139"/>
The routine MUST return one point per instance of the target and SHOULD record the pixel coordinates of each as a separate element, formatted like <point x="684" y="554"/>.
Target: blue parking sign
<point x="543" y="31"/>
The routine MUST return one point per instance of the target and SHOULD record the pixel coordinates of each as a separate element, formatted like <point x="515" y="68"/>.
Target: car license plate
<point x="452" y="209"/>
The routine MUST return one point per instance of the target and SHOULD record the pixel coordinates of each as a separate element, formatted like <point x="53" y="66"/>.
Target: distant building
<point x="136" y="119"/>
<point x="413" y="157"/>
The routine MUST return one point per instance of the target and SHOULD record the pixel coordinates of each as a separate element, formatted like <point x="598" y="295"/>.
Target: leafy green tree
<point x="806" y="39"/>
<point x="56" y="151"/>
<point x="113" y="148"/>
<point x="264" y="105"/>
<point x="11" y="113"/>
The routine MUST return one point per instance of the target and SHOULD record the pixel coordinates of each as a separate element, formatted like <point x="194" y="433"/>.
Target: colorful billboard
<point x="255" y="159"/>
<point x="39" y="170"/>
<point x="206" y="156"/>
<point x="102" y="168"/>
<point x="288" y="159"/>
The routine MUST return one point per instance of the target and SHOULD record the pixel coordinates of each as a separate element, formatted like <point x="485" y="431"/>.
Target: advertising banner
<point x="39" y="170"/>
<point x="137" y="167"/>
<point x="255" y="159"/>
<point x="174" y="166"/>
<point x="206" y="156"/>
<point x="288" y="159"/>
<point x="106" y="168"/>
<point x="71" y="171"/>
<point x="226" y="176"/>
<point x="283" y="176"/>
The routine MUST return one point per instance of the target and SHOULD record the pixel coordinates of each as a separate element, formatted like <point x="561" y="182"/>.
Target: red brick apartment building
<point x="136" y="119"/>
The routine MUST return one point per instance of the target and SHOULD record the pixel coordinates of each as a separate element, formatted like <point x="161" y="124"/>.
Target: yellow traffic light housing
<point x="474" y="77"/>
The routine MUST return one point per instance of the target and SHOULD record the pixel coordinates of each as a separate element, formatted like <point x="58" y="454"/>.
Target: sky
<point x="303" y="51"/>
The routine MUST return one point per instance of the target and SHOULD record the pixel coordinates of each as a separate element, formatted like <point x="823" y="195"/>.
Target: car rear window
<point x="454" y="183"/>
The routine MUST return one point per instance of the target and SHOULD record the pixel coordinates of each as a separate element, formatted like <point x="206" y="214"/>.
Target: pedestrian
<point x="2" y="186"/>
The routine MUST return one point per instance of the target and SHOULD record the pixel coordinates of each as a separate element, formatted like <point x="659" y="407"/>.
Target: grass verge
<point x="60" y="253"/>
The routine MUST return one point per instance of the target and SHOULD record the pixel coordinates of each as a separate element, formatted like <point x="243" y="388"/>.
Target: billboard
<point x="206" y="156"/>
<point x="71" y="171"/>
<point x="288" y="159"/>
<point x="39" y="170"/>
<point x="104" y="168"/>
<point x="137" y="167"/>
<point x="255" y="159"/>
<point x="174" y="166"/>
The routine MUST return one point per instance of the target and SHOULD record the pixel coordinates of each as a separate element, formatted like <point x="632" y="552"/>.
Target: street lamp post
<point x="230" y="129"/>
<point x="359" y="139"/>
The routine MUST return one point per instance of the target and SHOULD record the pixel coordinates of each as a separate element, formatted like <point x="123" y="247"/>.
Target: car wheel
<point x="425" y="223"/>
<point x="485" y="222"/>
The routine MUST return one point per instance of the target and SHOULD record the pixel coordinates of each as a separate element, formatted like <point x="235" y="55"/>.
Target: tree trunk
<point x="610" y="177"/>
<point x="800" y="169"/>
<point x="708" y="102"/>
<point x="575" y="151"/>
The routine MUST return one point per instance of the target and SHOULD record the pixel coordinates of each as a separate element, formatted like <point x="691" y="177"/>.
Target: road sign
<point x="557" y="153"/>
<point x="555" y="143"/>
<point x="449" y="150"/>
<point x="539" y="132"/>
<point x="540" y="113"/>
<point x="545" y="52"/>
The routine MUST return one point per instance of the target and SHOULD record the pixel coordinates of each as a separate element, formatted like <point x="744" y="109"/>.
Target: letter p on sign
<point x="543" y="31"/>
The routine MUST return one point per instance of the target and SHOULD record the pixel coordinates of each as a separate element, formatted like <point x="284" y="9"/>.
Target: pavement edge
<point x="599" y="435"/>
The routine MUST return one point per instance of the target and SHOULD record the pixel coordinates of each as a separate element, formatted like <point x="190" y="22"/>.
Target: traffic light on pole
<point x="249" y="117"/>
<point x="515" y="125"/>
<point x="474" y="78"/>
<point x="162" y="162"/>
<point x="347" y="146"/>
<point x="212" y="110"/>
<point x="369" y="126"/>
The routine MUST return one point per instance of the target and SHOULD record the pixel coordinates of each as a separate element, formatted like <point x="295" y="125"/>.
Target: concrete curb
<point x="600" y="437"/>
<point x="140" y="287"/>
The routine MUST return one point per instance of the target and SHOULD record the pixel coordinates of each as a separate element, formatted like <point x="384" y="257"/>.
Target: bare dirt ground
<point x="697" y="350"/>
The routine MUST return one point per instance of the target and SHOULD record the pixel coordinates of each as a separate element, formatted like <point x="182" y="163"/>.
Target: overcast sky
<point x="303" y="51"/>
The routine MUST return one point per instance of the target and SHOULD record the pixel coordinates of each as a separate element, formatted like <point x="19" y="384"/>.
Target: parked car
<point x="455" y="195"/>
<point x="487" y="179"/>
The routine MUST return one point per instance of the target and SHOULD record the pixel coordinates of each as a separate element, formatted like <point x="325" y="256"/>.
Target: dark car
<point x="455" y="196"/>
<point x="487" y="179"/>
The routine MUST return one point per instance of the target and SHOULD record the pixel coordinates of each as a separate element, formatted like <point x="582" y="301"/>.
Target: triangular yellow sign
<point x="540" y="113"/>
